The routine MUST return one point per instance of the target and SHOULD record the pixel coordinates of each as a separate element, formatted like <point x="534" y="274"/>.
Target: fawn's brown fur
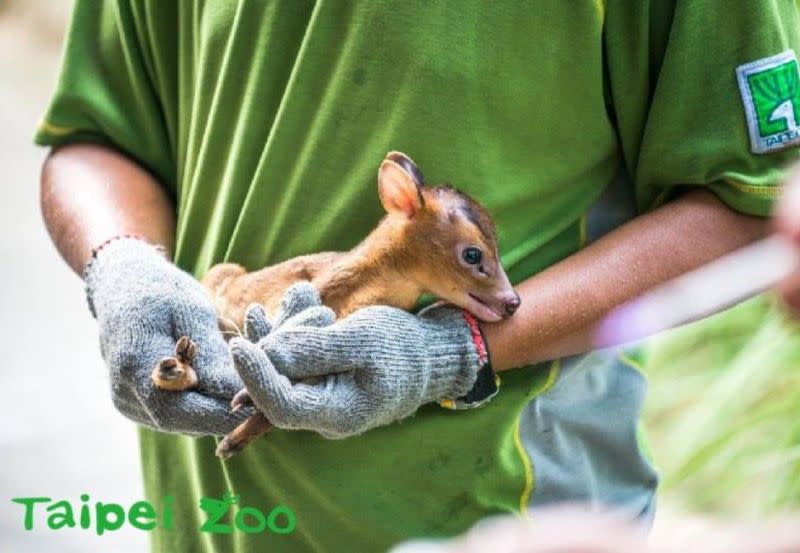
<point x="419" y="246"/>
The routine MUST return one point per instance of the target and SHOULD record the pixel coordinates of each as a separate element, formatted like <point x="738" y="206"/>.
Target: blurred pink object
<point x="702" y="292"/>
<point x="578" y="529"/>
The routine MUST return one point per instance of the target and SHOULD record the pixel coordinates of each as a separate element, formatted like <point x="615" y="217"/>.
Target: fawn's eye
<point x="472" y="255"/>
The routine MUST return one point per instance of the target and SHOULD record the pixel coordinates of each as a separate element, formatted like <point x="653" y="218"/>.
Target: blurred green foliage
<point x="723" y="412"/>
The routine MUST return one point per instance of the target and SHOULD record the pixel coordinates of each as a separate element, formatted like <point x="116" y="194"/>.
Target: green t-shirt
<point x="266" y="122"/>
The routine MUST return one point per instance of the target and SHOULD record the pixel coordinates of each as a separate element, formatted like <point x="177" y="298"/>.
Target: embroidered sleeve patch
<point x="771" y="97"/>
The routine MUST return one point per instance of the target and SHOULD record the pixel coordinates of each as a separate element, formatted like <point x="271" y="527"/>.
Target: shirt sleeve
<point x="683" y="92"/>
<point x="107" y="91"/>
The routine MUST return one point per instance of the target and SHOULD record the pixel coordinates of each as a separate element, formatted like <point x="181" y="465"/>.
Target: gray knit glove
<point x="143" y="305"/>
<point x="378" y="365"/>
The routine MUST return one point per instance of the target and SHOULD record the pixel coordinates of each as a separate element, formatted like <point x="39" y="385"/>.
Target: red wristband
<point x="477" y="337"/>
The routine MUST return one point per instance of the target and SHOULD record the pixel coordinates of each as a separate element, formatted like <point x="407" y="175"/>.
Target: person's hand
<point x="787" y="219"/>
<point x="376" y="366"/>
<point x="143" y="305"/>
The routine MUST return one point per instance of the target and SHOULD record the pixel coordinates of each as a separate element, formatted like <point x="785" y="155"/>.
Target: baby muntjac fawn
<point x="434" y="239"/>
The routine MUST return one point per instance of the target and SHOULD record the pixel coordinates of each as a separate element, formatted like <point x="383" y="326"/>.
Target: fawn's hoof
<point x="176" y="373"/>
<point x="241" y="399"/>
<point x="228" y="447"/>
<point x="254" y="426"/>
<point x="185" y="349"/>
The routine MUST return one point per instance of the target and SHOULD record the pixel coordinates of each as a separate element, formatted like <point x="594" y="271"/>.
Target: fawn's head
<point x="449" y="241"/>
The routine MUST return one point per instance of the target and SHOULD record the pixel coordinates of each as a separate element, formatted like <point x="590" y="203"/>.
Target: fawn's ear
<point x="400" y="185"/>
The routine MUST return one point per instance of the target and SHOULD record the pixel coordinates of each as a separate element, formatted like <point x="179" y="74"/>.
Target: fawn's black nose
<point x="512" y="305"/>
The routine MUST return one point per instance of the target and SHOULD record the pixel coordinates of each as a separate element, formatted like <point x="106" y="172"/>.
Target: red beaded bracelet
<point x="116" y="237"/>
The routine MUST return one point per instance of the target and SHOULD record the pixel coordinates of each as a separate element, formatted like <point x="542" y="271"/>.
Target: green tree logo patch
<point x="771" y="94"/>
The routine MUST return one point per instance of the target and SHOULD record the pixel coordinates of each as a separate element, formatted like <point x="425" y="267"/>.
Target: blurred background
<point x="723" y="412"/>
<point x="61" y="436"/>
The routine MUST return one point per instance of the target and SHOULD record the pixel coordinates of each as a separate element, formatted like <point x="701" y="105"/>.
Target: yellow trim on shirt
<point x="767" y="191"/>
<point x="530" y="477"/>
<point x="631" y="362"/>
<point x="55" y="130"/>
<point x="527" y="490"/>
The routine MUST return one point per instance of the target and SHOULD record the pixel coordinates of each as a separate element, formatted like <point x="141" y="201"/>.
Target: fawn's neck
<point x="378" y="271"/>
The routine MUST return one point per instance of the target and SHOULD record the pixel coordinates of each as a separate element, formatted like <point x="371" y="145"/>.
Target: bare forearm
<point x="91" y="193"/>
<point x="561" y="305"/>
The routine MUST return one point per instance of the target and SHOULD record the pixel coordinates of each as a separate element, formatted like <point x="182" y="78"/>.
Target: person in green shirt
<point x="616" y="145"/>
